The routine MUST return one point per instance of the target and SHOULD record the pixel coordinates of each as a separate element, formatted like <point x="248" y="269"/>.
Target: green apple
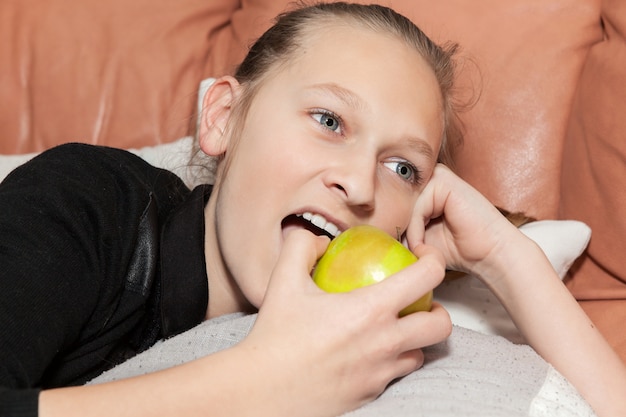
<point x="364" y="255"/>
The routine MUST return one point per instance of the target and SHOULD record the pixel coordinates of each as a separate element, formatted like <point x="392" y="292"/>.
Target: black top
<point x="101" y="255"/>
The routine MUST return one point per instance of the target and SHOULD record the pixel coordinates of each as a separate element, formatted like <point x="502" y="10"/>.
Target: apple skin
<point x="361" y="256"/>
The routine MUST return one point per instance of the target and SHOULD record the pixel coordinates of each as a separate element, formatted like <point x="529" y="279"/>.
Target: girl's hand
<point x="334" y="352"/>
<point x="456" y="219"/>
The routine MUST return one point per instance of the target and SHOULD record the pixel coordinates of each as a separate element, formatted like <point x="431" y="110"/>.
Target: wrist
<point x="514" y="262"/>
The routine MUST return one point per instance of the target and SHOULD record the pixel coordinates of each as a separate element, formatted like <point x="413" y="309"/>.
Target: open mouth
<point x="314" y="223"/>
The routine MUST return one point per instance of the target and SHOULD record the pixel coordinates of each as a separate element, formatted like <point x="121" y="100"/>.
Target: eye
<point x="405" y="170"/>
<point x="328" y="120"/>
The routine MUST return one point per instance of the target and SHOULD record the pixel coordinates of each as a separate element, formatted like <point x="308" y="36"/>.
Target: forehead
<point x="380" y="70"/>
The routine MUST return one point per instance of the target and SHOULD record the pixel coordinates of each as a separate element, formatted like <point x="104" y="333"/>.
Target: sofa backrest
<point x="593" y="181"/>
<point x="117" y="72"/>
<point x="125" y="73"/>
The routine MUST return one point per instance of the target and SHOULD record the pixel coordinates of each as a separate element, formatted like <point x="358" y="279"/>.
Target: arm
<point x="476" y="238"/>
<point x="324" y="353"/>
<point x="219" y="384"/>
<point x="559" y="330"/>
<point x="65" y="242"/>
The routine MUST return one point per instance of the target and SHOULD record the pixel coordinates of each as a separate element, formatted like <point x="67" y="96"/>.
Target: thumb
<point x="301" y="250"/>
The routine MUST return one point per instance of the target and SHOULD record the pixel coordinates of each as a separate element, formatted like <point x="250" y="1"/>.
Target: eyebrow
<point x="348" y="97"/>
<point x="421" y="147"/>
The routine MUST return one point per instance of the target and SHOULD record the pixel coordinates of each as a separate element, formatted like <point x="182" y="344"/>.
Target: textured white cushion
<point x="470" y="375"/>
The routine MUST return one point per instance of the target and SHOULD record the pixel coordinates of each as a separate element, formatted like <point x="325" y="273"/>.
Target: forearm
<point x="557" y="328"/>
<point x="225" y="383"/>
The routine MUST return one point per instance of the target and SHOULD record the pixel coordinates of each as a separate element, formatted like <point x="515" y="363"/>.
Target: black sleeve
<point x="22" y="403"/>
<point x="68" y="224"/>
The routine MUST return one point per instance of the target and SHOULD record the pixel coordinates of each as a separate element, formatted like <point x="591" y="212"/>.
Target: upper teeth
<point x="322" y="223"/>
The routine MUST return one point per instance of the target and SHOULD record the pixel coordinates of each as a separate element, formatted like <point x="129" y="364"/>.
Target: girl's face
<point x="347" y="133"/>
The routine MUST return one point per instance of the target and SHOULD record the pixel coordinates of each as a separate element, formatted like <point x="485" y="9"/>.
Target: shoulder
<point x="81" y="168"/>
<point x="90" y="159"/>
<point x="87" y="187"/>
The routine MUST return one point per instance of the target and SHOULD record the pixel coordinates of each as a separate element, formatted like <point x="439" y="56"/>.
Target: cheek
<point x="393" y="212"/>
<point x="248" y="216"/>
<point x="248" y="260"/>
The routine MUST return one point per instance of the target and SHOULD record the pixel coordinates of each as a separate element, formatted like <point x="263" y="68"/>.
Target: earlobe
<point x="216" y="111"/>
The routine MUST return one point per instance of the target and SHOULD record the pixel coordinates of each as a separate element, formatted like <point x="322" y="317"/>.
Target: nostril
<point x="340" y="189"/>
<point x="343" y="191"/>
<point x="356" y="197"/>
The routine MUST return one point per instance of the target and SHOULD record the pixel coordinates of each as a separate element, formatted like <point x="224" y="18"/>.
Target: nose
<point x="354" y="179"/>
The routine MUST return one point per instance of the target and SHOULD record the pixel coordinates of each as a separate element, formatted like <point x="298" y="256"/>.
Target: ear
<point x="216" y="111"/>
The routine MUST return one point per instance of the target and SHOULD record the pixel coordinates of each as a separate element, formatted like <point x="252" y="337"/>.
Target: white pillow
<point x="9" y="162"/>
<point x="470" y="374"/>
<point x="174" y="156"/>
<point x="472" y="305"/>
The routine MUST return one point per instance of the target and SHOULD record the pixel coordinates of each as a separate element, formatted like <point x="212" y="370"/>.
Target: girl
<point x="340" y="111"/>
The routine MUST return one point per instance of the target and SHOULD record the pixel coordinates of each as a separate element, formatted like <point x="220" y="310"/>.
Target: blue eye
<point x="405" y="170"/>
<point x="328" y="120"/>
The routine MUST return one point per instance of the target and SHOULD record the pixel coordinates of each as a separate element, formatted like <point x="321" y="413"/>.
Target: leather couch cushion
<point x="117" y="72"/>
<point x="529" y="55"/>
<point x="125" y="73"/>
<point x="594" y="174"/>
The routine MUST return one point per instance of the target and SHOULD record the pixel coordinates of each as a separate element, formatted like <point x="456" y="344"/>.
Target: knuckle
<point x="416" y="360"/>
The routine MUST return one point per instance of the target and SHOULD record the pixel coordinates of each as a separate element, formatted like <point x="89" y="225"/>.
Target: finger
<point x="415" y="232"/>
<point x="404" y="287"/>
<point x="421" y="216"/>
<point x="421" y="330"/>
<point x="409" y="361"/>
<point x="425" y="328"/>
<point x="429" y="205"/>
